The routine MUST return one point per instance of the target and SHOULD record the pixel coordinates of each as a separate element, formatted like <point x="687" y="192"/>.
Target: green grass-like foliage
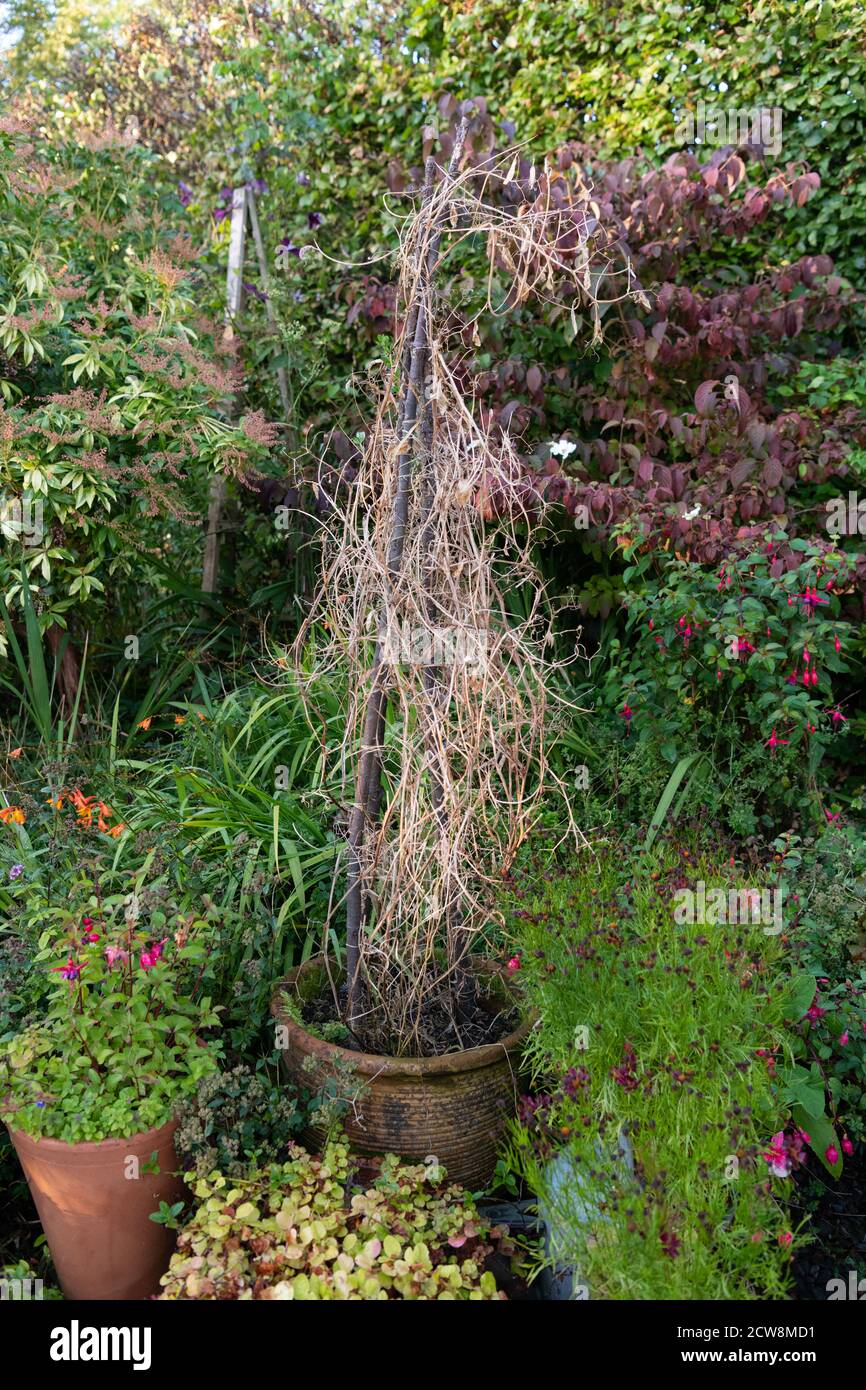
<point x="673" y="1016"/>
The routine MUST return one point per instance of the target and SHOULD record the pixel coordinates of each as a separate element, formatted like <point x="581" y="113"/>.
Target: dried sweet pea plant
<point x="448" y="694"/>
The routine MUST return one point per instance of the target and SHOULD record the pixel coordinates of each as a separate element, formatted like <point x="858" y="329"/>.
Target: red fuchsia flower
<point x="811" y="599"/>
<point x="513" y="965"/>
<point x="785" y="1238"/>
<point x="832" y="816"/>
<point x="91" y="936"/>
<point x="813" y="1013"/>
<point x="847" y="1146"/>
<point x="837" y="645"/>
<point x="843" y="1038"/>
<point x="806" y="656"/>
<point x="773" y="742"/>
<point x="831" y="1153"/>
<point x="69" y="971"/>
<point x="836" y="716"/>
<point x="627" y="713"/>
<point x="87" y="922"/>
<point x="814" y="676"/>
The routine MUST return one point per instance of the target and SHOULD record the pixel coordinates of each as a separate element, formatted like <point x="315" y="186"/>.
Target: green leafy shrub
<point x="296" y="1231"/>
<point x="825" y="880"/>
<point x="120" y="1040"/>
<point x="115" y="402"/>
<point x="741" y="664"/>
<point x="235" y="1119"/>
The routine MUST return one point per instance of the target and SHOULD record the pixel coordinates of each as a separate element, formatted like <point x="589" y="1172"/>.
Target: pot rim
<point x="377" y="1064"/>
<point x="86" y="1146"/>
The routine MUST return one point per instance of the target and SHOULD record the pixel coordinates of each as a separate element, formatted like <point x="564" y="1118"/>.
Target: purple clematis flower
<point x="314" y="220"/>
<point x="184" y="193"/>
<point x="16" y="871"/>
<point x="255" y="291"/>
<point x="285" y="249"/>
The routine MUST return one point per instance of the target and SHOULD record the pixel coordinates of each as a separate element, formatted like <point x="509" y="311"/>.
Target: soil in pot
<point x="455" y="1105"/>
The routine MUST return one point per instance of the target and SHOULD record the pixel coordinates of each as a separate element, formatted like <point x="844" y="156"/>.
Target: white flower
<point x="562" y="448"/>
<point x="690" y="515"/>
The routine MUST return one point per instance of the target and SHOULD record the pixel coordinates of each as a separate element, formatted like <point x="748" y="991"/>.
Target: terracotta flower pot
<point x="454" y="1106"/>
<point x="95" y="1211"/>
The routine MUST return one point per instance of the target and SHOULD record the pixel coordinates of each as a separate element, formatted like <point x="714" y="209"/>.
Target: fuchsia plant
<point x="733" y="658"/>
<point x="123" y="1038"/>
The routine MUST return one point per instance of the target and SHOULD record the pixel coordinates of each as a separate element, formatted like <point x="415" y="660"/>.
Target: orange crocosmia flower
<point x="117" y="830"/>
<point x="12" y="814"/>
<point x="180" y="718"/>
<point x="146" y="723"/>
<point x="16" y="752"/>
<point x="200" y="715"/>
<point x="56" y="802"/>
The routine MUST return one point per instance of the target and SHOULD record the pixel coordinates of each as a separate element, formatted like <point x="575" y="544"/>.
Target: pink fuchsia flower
<point x="837" y="645"/>
<point x="513" y="965"/>
<point x="773" y="742"/>
<point x="777" y="1158"/>
<point x="69" y="971"/>
<point x="847" y="1146"/>
<point x="115" y="955"/>
<point x="832" y="816"/>
<point x="154" y="953"/>
<point x="843" y="1038"/>
<point x="814" y="1013"/>
<point x="785" y="1238"/>
<point x="831" y="1153"/>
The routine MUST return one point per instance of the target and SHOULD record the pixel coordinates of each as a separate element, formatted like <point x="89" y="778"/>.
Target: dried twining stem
<point x="448" y="693"/>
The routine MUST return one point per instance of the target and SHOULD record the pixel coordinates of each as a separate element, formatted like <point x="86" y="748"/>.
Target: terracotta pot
<point x="454" y="1106"/>
<point x="95" y="1216"/>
